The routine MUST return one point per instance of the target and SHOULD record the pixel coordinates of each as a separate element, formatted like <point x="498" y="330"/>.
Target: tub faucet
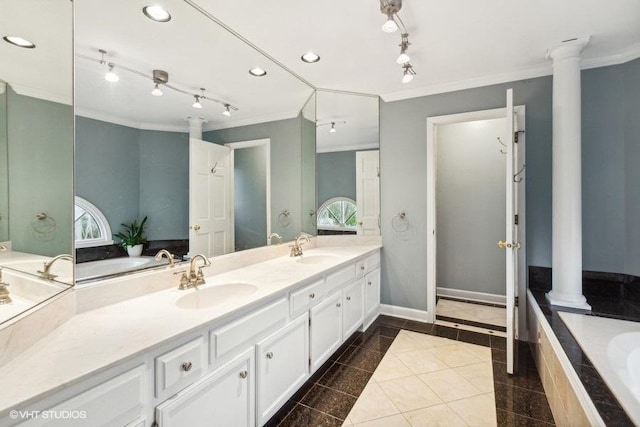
<point x="163" y="253"/>
<point x="45" y="273"/>
<point x="296" y="249"/>
<point x="4" y="292"/>
<point x="277" y="236"/>
<point x="194" y="277"/>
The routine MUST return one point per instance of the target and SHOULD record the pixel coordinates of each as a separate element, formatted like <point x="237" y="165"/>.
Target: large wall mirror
<point x="139" y="76"/>
<point x="348" y="179"/>
<point x="36" y="152"/>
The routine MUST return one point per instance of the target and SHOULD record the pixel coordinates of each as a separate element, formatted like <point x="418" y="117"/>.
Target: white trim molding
<point x="471" y="296"/>
<point x="405" y="313"/>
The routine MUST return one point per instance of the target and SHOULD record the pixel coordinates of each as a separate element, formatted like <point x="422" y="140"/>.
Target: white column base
<point x="579" y="302"/>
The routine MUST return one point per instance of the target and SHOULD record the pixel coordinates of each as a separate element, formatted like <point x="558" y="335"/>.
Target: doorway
<point x="466" y="196"/>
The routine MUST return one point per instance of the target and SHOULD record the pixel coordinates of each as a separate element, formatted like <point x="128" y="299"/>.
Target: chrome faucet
<point x="45" y="273"/>
<point x="296" y="248"/>
<point x="4" y="292"/>
<point x="163" y="253"/>
<point x="277" y="236"/>
<point x="194" y="277"/>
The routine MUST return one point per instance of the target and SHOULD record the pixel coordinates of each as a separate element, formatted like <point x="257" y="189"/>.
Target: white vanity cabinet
<point x="326" y="329"/>
<point x="282" y="362"/>
<point x="371" y="294"/>
<point x="224" y="397"/>
<point x="352" y="308"/>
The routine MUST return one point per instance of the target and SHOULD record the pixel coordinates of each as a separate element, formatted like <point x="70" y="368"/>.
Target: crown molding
<point x="32" y="92"/>
<point x="82" y="112"/>
<point x="622" y="56"/>
<point x="251" y="121"/>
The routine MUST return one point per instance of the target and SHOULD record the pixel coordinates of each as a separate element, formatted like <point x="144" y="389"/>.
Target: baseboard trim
<point x="472" y="296"/>
<point x="404" y="312"/>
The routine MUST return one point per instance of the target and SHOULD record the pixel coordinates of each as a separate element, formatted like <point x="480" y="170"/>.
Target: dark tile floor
<point x="328" y="396"/>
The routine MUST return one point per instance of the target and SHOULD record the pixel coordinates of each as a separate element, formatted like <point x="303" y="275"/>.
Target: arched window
<point x="338" y="213"/>
<point x="91" y="226"/>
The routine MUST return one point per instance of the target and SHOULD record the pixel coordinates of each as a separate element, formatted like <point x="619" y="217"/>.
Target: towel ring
<point x="283" y="218"/>
<point x="43" y="223"/>
<point x="400" y="223"/>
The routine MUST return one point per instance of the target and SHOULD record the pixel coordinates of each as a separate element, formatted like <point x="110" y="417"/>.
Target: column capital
<point x="567" y="49"/>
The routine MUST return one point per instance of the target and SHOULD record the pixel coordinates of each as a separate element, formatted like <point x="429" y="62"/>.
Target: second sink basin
<point x="316" y="259"/>
<point x="213" y="295"/>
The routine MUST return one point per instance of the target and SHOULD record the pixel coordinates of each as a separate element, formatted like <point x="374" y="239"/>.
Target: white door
<point x="353" y="308"/>
<point x="224" y="397"/>
<point x="210" y="220"/>
<point x="511" y="244"/>
<point x="368" y="192"/>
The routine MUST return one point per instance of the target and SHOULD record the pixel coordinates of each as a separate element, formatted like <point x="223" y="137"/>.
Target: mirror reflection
<point x="348" y="187"/>
<point x="36" y="153"/>
<point x="175" y="124"/>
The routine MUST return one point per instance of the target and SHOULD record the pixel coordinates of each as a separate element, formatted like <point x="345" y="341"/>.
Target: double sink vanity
<point x="139" y="350"/>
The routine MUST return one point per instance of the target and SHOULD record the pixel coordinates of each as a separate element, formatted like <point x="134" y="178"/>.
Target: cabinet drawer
<point x="372" y="261"/>
<point x="338" y="278"/>
<point x="115" y="402"/>
<point x="305" y="298"/>
<point x="179" y="367"/>
<point x="238" y="333"/>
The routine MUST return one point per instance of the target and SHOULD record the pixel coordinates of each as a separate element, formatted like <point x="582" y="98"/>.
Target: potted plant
<point x="133" y="237"/>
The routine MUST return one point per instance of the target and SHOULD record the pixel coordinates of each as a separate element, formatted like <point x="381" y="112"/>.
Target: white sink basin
<point x="316" y="259"/>
<point x="214" y="295"/>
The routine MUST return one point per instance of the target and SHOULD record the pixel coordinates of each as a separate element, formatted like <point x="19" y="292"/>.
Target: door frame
<point x="432" y="123"/>
<point x="249" y="144"/>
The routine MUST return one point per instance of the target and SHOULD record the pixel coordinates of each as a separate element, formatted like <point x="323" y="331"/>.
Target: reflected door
<point x="210" y="222"/>
<point x="368" y="192"/>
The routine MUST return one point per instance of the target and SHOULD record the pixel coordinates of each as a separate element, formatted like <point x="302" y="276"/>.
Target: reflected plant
<point x="133" y="234"/>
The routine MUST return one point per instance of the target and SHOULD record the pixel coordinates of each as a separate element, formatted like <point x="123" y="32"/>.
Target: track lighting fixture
<point x="390" y="8"/>
<point x="160" y="79"/>
<point x="332" y="129"/>
<point x="408" y="73"/>
<point x="404" y="45"/>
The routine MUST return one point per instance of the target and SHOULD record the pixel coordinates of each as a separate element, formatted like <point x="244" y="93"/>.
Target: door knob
<point x="243" y="374"/>
<point x="196" y="227"/>
<point x="503" y="245"/>
<point x="186" y="366"/>
<point x="270" y="355"/>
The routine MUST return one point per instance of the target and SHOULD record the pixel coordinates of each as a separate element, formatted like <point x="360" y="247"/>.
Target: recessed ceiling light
<point x="156" y="13"/>
<point x="310" y="57"/>
<point x="258" y="72"/>
<point x="19" y="41"/>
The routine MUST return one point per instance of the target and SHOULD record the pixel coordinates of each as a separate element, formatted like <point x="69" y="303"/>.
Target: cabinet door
<point x="372" y="292"/>
<point x="326" y="329"/>
<point x="225" y="397"/>
<point x="283" y="365"/>
<point x="353" y="307"/>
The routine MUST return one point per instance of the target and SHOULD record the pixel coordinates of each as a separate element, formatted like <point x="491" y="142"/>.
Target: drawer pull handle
<point x="312" y="295"/>
<point x="270" y="355"/>
<point x="369" y="283"/>
<point x="362" y="267"/>
<point x="348" y="298"/>
<point x="243" y="374"/>
<point x="338" y="305"/>
<point x="186" y="366"/>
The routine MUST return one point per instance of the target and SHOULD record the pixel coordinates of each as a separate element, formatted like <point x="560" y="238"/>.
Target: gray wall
<point x="4" y="166"/>
<point x="40" y="135"/>
<point x="631" y="166"/>
<point x="336" y="175"/>
<point x="309" y="169"/>
<point x="606" y="206"/>
<point x="131" y="173"/>
<point x="470" y="206"/>
<point x="286" y="151"/>
<point x="250" y="197"/>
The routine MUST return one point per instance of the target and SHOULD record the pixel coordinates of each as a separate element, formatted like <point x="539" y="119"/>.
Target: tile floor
<point x="405" y="373"/>
<point x="474" y="314"/>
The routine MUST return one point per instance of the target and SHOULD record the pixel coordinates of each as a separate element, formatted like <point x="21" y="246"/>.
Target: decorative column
<point x="195" y="127"/>
<point x="567" y="176"/>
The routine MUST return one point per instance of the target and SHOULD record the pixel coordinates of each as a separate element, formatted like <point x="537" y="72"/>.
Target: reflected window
<point x="91" y="226"/>
<point x="338" y="213"/>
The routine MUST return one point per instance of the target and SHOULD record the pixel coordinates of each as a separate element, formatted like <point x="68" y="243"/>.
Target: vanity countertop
<point x="94" y="341"/>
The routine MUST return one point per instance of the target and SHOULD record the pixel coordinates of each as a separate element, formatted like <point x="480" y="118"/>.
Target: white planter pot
<point x="134" y="251"/>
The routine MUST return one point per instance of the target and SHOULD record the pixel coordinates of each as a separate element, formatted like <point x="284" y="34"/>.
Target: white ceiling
<point x="455" y="45"/>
